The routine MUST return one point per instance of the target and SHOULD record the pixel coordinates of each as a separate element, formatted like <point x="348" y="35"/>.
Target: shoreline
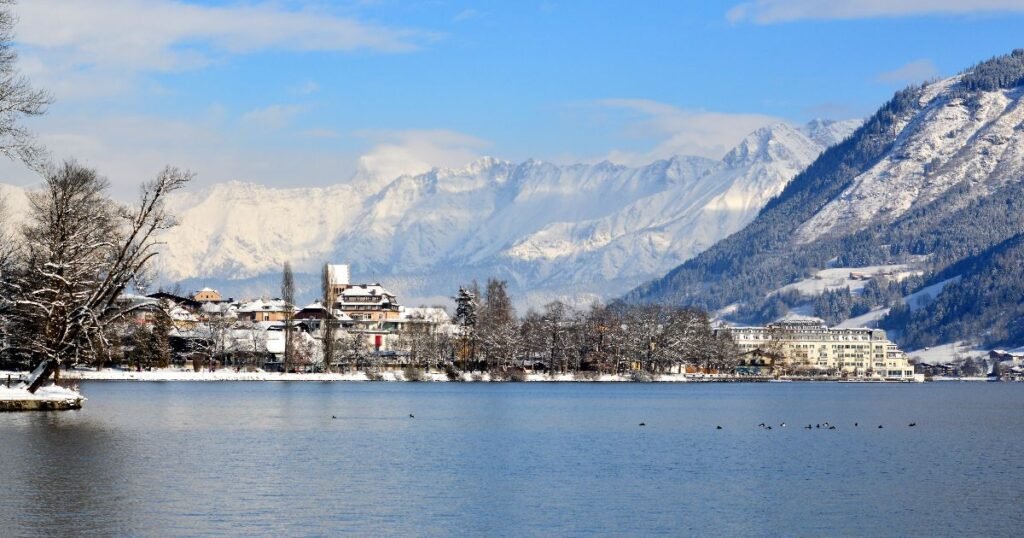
<point x="392" y="376"/>
<point x="48" y="398"/>
<point x="398" y="376"/>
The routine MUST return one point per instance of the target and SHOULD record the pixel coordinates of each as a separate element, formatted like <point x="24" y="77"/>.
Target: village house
<point x="264" y="310"/>
<point x="313" y="315"/>
<point x="207" y="295"/>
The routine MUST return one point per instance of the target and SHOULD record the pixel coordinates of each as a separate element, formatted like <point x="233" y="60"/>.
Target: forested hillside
<point x="932" y="182"/>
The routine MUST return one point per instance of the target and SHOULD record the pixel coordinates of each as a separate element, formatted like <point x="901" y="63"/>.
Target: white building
<point x="810" y="344"/>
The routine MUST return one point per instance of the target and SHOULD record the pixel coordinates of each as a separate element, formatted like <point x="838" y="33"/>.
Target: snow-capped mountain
<point x="653" y="233"/>
<point x="576" y="232"/>
<point x="932" y="183"/>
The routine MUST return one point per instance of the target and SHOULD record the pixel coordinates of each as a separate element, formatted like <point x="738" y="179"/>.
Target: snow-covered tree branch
<point x="75" y="256"/>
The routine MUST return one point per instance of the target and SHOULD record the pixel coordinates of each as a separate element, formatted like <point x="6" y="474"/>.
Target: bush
<point x="640" y="376"/>
<point x="374" y="376"/>
<point x="587" y="375"/>
<point x="517" y="375"/>
<point x="453" y="373"/>
<point x="477" y="376"/>
<point x="412" y="373"/>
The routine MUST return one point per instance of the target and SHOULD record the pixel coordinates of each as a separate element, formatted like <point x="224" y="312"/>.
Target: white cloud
<point x="681" y="132"/>
<point x="306" y="88"/>
<point x="273" y="117"/>
<point x="465" y="15"/>
<point x="108" y="42"/>
<point x="398" y="153"/>
<point x="129" y="149"/>
<point x="777" y="11"/>
<point x="916" y="71"/>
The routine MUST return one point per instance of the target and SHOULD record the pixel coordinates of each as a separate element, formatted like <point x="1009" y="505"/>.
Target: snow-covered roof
<point x="315" y="305"/>
<point x="318" y="306"/>
<point x="180" y="314"/>
<point x="261" y="305"/>
<point x="341" y="316"/>
<point x="365" y="290"/>
<point x="219" y="308"/>
<point x="426" y="314"/>
<point x="799" y="318"/>
<point x="137" y="301"/>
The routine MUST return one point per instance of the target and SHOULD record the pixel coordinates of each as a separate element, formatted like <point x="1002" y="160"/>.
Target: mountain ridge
<point x="930" y="179"/>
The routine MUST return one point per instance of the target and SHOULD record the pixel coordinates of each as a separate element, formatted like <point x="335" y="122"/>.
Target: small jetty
<point x="50" y="398"/>
<point x="31" y="395"/>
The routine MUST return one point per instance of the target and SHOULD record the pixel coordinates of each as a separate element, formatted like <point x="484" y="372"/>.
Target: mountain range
<point x="929" y="186"/>
<point x="577" y="233"/>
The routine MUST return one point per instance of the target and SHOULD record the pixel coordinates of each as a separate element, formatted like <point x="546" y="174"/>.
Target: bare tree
<point x="79" y="252"/>
<point x="288" y="295"/>
<point x="18" y="99"/>
<point x="497" y="327"/>
<point x="356" y="350"/>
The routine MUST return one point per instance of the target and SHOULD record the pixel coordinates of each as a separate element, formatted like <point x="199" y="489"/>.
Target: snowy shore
<point x="181" y="374"/>
<point x="50" y="398"/>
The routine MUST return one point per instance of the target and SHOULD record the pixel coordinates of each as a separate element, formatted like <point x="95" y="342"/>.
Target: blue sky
<point x="297" y="93"/>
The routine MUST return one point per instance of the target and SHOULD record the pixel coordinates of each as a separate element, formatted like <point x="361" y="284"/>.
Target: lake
<point x="526" y="459"/>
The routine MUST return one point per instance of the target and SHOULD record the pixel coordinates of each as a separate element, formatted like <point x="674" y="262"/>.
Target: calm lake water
<point x="267" y="459"/>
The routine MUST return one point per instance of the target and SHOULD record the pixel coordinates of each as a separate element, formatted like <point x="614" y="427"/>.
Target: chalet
<point x="757" y="362"/>
<point x="207" y="295"/>
<point x="368" y="304"/>
<point x="143" y="310"/>
<point x="313" y="314"/>
<point x="182" y="318"/>
<point x="264" y="310"/>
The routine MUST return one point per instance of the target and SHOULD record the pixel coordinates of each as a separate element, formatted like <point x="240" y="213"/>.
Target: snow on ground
<point x="869" y="320"/>
<point x="947" y="353"/>
<point x="917" y="300"/>
<point x="924" y="296"/>
<point x="840" y="277"/>
<point x="52" y="393"/>
<point x="180" y="374"/>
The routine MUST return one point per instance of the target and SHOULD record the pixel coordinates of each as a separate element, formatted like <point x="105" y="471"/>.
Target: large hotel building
<point x="810" y="344"/>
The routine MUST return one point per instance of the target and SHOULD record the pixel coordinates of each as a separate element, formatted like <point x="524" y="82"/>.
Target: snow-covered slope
<point x="952" y="140"/>
<point x="659" y="231"/>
